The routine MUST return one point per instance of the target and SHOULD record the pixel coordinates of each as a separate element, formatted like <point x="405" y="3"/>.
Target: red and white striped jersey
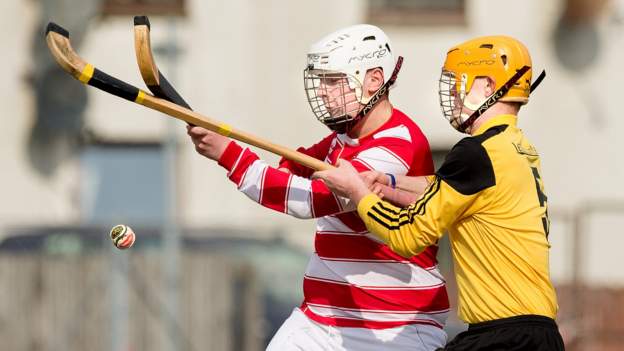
<point x="352" y="279"/>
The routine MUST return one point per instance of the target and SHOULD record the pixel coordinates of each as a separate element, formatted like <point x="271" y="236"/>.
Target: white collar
<point x="345" y="139"/>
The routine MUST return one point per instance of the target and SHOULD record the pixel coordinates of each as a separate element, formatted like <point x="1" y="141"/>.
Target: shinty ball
<point x="122" y="236"/>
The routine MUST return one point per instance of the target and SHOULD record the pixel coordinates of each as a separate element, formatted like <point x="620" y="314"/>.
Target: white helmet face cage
<point x="452" y="100"/>
<point x="334" y="97"/>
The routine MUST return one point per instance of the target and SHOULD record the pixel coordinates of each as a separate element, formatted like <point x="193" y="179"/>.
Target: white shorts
<point x="301" y="333"/>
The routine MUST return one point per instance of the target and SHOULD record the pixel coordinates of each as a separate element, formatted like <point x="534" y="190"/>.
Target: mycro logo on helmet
<point x="477" y="63"/>
<point x="373" y="54"/>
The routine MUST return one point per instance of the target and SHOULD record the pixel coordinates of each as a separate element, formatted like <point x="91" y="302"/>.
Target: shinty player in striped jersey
<point x="358" y="294"/>
<point x="488" y="195"/>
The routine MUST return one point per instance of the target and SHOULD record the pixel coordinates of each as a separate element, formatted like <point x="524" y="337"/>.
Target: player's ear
<point x="490" y="86"/>
<point x="374" y="80"/>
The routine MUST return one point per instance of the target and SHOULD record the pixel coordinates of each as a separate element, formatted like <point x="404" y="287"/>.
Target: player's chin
<point x="333" y="112"/>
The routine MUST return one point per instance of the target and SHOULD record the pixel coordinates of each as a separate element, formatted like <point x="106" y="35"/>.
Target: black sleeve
<point x="468" y="168"/>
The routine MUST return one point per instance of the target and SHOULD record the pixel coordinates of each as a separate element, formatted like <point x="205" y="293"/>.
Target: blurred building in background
<point x="76" y="161"/>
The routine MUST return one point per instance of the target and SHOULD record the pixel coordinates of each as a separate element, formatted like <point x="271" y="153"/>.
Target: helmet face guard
<point x="452" y="98"/>
<point x="334" y="97"/>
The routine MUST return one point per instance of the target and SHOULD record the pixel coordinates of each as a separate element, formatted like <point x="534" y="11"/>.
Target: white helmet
<point x="346" y="54"/>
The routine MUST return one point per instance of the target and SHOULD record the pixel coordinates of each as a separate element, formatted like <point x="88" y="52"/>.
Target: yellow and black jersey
<point x="489" y="196"/>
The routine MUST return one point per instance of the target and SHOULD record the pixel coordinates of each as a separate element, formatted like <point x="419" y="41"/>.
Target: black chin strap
<point x="494" y="98"/>
<point x="343" y="127"/>
<point x="500" y="93"/>
<point x="537" y="81"/>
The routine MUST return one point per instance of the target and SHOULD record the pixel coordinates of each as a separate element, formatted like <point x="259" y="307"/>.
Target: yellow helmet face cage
<point x="497" y="57"/>
<point x="452" y="91"/>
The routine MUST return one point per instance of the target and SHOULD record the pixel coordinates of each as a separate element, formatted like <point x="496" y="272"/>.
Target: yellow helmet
<point x="498" y="57"/>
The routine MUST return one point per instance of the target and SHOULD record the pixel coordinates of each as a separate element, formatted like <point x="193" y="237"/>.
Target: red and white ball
<point x="122" y="236"/>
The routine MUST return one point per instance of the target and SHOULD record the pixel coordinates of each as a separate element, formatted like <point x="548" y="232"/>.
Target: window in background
<point x="123" y="183"/>
<point x="416" y="12"/>
<point x="143" y="7"/>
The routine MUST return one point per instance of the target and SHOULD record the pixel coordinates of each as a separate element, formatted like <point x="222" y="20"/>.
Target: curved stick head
<point x="153" y="78"/>
<point x="143" y="50"/>
<point x="58" y="42"/>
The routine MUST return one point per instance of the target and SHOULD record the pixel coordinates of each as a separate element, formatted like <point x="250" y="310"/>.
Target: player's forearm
<point x="398" y="197"/>
<point x="391" y="225"/>
<point x="407" y="189"/>
<point x="272" y="188"/>
<point x="415" y="186"/>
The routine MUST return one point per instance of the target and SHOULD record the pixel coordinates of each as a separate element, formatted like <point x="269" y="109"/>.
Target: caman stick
<point x="152" y="76"/>
<point x="59" y="44"/>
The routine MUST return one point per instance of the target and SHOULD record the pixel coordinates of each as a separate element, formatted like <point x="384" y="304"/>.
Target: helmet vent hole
<point x="486" y="46"/>
<point x="504" y="58"/>
<point x="388" y="47"/>
<point x="370" y="37"/>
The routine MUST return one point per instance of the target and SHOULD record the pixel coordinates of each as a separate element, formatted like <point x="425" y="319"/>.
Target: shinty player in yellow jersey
<point x="488" y="195"/>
